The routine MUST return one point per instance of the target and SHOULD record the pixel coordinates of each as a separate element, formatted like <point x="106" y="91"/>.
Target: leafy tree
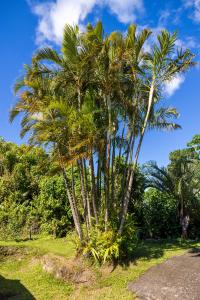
<point x="160" y="215"/>
<point x="32" y="197"/>
<point x="52" y="206"/>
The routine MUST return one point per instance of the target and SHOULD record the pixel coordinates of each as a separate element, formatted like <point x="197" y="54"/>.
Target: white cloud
<point x="170" y="87"/>
<point x="55" y="14"/>
<point x="189" y="42"/>
<point x="164" y="17"/>
<point x="126" y="10"/>
<point x="195" y="4"/>
<point x="171" y="15"/>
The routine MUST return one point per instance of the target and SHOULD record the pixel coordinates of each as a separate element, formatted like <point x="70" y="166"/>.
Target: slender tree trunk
<point x="87" y="192"/>
<point x="83" y="192"/>
<point x="94" y="192"/>
<point x="79" y="97"/>
<point x="73" y="188"/>
<point x="113" y="173"/>
<point x="124" y="177"/>
<point x="99" y="181"/>
<point x="73" y="207"/>
<point x="129" y="149"/>
<point x="128" y="191"/>
<point x="72" y="200"/>
<point x="129" y="167"/>
<point x="122" y="139"/>
<point x="184" y="218"/>
<point x="107" y="170"/>
<point x="107" y="185"/>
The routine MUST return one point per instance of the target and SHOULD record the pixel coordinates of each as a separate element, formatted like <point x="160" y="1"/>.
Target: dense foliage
<point x="180" y="182"/>
<point x="32" y="199"/>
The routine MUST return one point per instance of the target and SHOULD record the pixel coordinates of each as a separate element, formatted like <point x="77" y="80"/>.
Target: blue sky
<point x="27" y="25"/>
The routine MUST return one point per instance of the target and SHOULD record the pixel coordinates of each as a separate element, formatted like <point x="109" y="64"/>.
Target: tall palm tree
<point x="47" y="127"/>
<point x="160" y="66"/>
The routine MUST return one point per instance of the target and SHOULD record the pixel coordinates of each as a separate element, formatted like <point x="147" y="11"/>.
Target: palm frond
<point x="49" y="55"/>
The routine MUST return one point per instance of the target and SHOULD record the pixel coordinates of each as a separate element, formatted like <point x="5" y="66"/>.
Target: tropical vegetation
<point x="86" y="110"/>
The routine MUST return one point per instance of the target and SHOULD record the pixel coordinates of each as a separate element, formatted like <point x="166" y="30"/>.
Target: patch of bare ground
<point x="73" y="270"/>
<point x="13" y="251"/>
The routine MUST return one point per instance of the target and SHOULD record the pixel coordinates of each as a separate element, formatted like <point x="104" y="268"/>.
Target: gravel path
<point x="177" y="278"/>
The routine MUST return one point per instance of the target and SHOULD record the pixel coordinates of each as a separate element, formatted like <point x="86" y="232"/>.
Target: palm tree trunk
<point x="79" y="97"/>
<point x="73" y="207"/>
<point x="113" y="173"/>
<point x="94" y="192"/>
<point x="124" y="178"/>
<point x="107" y="169"/>
<point x="129" y="168"/>
<point x="122" y="139"/>
<point x="87" y="192"/>
<point x="128" y="191"/>
<point x="73" y="188"/>
<point x="83" y="192"/>
<point x="99" y="181"/>
<point x="107" y="184"/>
<point x="183" y="216"/>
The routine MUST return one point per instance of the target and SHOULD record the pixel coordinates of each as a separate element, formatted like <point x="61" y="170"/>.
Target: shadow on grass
<point x="152" y="249"/>
<point x="27" y="239"/>
<point x="13" y="289"/>
<point x="195" y="251"/>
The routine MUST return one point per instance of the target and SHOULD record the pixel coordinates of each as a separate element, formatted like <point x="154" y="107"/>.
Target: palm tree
<point x="75" y="73"/>
<point x="160" y="66"/>
<point x="45" y="123"/>
<point x="178" y="180"/>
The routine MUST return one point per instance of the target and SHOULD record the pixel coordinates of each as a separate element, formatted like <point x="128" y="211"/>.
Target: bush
<point x="53" y="207"/>
<point x="102" y="246"/>
<point x="129" y="239"/>
<point x="160" y="215"/>
<point x="13" y="220"/>
<point x="107" y="246"/>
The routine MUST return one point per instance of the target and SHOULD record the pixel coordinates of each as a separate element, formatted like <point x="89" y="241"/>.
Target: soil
<point x="177" y="278"/>
<point x="73" y="270"/>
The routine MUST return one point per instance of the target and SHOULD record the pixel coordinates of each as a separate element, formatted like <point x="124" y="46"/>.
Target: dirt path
<point x="177" y="278"/>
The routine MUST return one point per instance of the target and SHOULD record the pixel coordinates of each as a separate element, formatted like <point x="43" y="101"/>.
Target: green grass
<point x="63" y="246"/>
<point x="111" y="283"/>
<point x="24" y="278"/>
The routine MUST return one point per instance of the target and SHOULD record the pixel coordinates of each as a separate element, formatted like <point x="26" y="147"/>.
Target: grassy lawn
<point x="25" y="274"/>
<point x="29" y="282"/>
<point x="46" y="244"/>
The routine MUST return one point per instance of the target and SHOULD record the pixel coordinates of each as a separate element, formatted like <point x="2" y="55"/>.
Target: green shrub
<point x="53" y="207"/>
<point x="107" y="246"/>
<point x="102" y="246"/>
<point x="160" y="215"/>
<point x="13" y="219"/>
